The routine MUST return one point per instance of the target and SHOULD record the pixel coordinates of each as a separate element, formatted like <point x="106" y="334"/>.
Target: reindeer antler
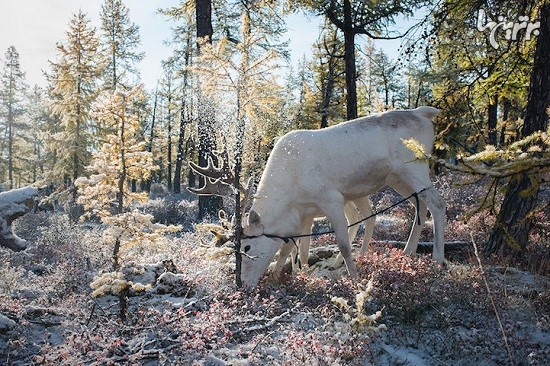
<point x="219" y="180"/>
<point x="216" y="172"/>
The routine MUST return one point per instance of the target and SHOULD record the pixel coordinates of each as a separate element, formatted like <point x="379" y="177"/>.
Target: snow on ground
<point x="189" y="312"/>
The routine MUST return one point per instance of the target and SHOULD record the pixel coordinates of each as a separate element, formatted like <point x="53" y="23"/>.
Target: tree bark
<point x="328" y="86"/>
<point x="183" y="121"/>
<point x="349" y="57"/>
<point x="123" y="172"/>
<point x="152" y="137"/>
<point x="511" y="232"/>
<point x="169" y="147"/>
<point x="208" y="205"/>
<point x="204" y="21"/>
<point x="492" y="120"/>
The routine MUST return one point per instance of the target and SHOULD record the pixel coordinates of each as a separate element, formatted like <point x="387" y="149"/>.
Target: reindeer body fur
<point x="314" y="173"/>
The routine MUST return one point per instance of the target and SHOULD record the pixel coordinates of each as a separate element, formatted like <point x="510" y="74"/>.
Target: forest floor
<point x="414" y="312"/>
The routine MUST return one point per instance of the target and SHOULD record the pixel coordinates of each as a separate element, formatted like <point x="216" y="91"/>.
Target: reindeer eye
<point x="246" y="248"/>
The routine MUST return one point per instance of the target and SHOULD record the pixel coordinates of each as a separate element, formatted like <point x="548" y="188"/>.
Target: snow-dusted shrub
<point x="11" y="278"/>
<point x="114" y="283"/>
<point x="157" y="191"/>
<point x="356" y="319"/>
<point x="402" y="283"/>
<point x="170" y="211"/>
<point x="59" y="261"/>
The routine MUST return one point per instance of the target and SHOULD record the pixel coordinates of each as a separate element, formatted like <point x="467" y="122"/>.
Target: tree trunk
<point x="189" y="152"/>
<point x="179" y="156"/>
<point x="492" y="120"/>
<point x="329" y="83"/>
<point x="169" y="147"/>
<point x="152" y="136"/>
<point x="513" y="226"/>
<point x="10" y="145"/>
<point x="123" y="172"/>
<point x="349" y="56"/>
<point x="208" y="205"/>
<point x="183" y="120"/>
<point x="506" y="105"/>
<point x="204" y="21"/>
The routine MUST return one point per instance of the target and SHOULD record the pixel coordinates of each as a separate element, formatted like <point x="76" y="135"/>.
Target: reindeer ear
<point x="254" y="226"/>
<point x="254" y="218"/>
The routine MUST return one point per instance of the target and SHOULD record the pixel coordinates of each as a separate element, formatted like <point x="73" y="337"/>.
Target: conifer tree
<point x="120" y="40"/>
<point x="205" y="128"/>
<point x="385" y="75"/>
<point x="169" y="93"/>
<point x="516" y="216"/>
<point x="73" y="90"/>
<point x="37" y="120"/>
<point x="183" y="58"/>
<point x="330" y="72"/>
<point x="475" y="80"/>
<point x="122" y="158"/>
<point x="12" y="86"/>
<point x="373" y="19"/>
<point x="242" y="70"/>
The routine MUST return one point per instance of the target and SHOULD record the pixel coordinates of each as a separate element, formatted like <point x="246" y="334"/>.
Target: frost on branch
<point x="359" y="322"/>
<point x="136" y="279"/>
<point x="14" y="204"/>
<point x="114" y="283"/>
<point x="135" y="228"/>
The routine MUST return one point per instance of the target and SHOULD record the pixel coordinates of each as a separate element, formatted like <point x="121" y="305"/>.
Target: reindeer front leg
<point x="281" y="260"/>
<point x="334" y="211"/>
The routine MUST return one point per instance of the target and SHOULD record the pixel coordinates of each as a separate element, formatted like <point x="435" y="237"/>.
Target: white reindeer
<point x="314" y="173"/>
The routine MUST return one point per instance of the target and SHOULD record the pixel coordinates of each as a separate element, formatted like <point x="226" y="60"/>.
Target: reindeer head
<point x="257" y="251"/>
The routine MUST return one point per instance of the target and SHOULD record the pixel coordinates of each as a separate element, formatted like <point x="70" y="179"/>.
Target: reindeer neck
<point x="277" y="213"/>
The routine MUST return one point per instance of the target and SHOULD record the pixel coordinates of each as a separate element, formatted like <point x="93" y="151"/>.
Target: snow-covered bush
<point x="172" y="211"/>
<point x="356" y="319"/>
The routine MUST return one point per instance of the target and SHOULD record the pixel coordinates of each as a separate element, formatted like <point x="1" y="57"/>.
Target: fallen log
<point x="14" y="204"/>
<point x="427" y="247"/>
<point x="325" y="252"/>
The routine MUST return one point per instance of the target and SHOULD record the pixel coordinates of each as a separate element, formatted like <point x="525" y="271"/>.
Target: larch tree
<point x="151" y="131"/>
<point x="329" y="72"/>
<point x="37" y="120"/>
<point x="241" y="72"/>
<point x="12" y="88"/>
<point x="207" y="141"/>
<point x="120" y="41"/>
<point x="123" y="157"/>
<point x="493" y="71"/>
<point x="516" y="217"/>
<point x="476" y="80"/>
<point x="183" y="57"/>
<point x="419" y="81"/>
<point x="168" y="91"/>
<point x="386" y="80"/>
<point x="73" y="90"/>
<point x="373" y="19"/>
